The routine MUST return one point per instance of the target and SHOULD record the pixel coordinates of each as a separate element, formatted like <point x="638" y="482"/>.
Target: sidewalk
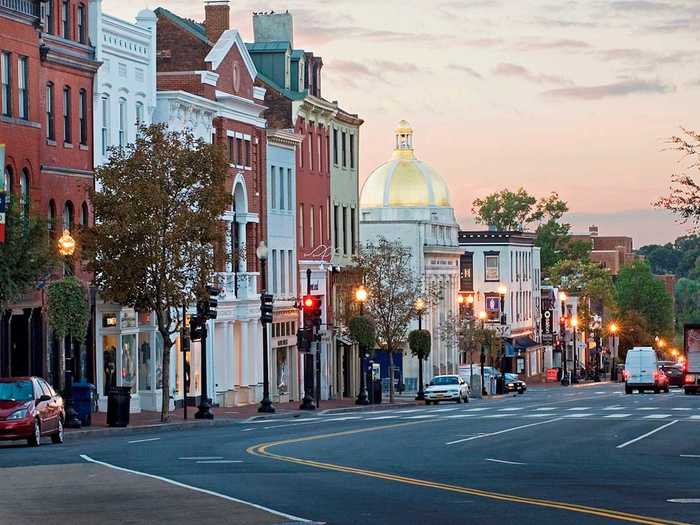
<point x="150" y="421"/>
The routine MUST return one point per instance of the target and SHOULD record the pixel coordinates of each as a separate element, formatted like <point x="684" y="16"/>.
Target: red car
<point x="30" y="409"/>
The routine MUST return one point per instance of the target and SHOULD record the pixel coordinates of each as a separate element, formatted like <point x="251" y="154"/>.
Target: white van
<point x="642" y="371"/>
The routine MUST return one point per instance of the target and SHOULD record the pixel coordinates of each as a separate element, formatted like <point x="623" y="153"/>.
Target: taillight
<point x="689" y="379"/>
<point x="626" y="374"/>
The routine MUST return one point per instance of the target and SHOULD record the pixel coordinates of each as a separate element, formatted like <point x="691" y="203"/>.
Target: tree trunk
<point x="164" y="329"/>
<point x="391" y="376"/>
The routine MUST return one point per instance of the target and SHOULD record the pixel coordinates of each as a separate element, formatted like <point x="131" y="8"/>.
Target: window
<point x="292" y="275"/>
<point x="50" y="130"/>
<point x="230" y="150"/>
<point x="139" y="113"/>
<point x="352" y="152"/>
<point x="321" y="230"/>
<point x="335" y="146"/>
<point x="353" y="244"/>
<point x="22" y="84"/>
<point x="65" y="19"/>
<point x="282" y="192"/>
<point x="491" y="267"/>
<point x="49" y="18"/>
<point x="6" y="86"/>
<point x="8" y="183"/>
<point x="289" y="189"/>
<point x="122" y="122"/>
<point x="273" y="186"/>
<point x="345" y="230"/>
<point x="24" y="193"/>
<point x="239" y="152"/>
<point x="274" y="271"/>
<point x="336" y="241"/>
<point x="66" y="115"/>
<point x="312" y="236"/>
<point x="84" y="215"/>
<point x="51" y="219"/>
<point x="81" y="23"/>
<point x="310" y="144"/>
<point x="344" y="152"/>
<point x="283" y="284"/>
<point x="320" y="157"/>
<point x="302" y="238"/>
<point x="248" y="148"/>
<point x="105" y="124"/>
<point x="82" y="115"/>
<point x="68" y="218"/>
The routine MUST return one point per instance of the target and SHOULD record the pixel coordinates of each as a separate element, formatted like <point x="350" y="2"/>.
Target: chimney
<point x="216" y="18"/>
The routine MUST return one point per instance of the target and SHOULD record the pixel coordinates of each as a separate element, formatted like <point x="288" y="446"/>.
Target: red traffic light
<point x="308" y="301"/>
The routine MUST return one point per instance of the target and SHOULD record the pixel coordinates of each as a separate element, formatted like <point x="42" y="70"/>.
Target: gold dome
<point x="404" y="181"/>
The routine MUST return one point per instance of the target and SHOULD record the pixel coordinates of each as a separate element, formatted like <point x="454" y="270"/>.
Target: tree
<point x="392" y="290"/>
<point x="634" y="331"/>
<point x="419" y="343"/>
<point x="637" y="290"/>
<point x="687" y="292"/>
<point x="157" y="222"/>
<point x="68" y="309"/>
<point x="684" y="197"/>
<point x="362" y="330"/>
<point x="506" y="210"/>
<point x="26" y="255"/>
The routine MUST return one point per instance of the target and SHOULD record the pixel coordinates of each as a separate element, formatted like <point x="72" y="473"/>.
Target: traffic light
<point x="266" y="306"/>
<point x="312" y="312"/>
<point x="212" y="302"/>
<point x="196" y="328"/>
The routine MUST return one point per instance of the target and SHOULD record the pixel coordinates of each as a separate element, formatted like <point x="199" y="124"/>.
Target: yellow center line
<point x="262" y="450"/>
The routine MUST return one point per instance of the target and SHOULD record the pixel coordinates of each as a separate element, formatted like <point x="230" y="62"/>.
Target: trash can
<point x="377" y="391"/>
<point x="118" y="406"/>
<point x="83" y="401"/>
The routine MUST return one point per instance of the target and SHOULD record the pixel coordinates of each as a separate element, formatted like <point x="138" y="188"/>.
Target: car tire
<point x="427" y="402"/>
<point x="667" y="390"/>
<point x="686" y="391"/>
<point x="57" y="438"/>
<point x="35" y="439"/>
<point x="657" y="390"/>
<point x="628" y="390"/>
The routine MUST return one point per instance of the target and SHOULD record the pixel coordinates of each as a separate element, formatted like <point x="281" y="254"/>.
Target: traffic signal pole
<point x="265" y="316"/>
<point x="307" y="401"/>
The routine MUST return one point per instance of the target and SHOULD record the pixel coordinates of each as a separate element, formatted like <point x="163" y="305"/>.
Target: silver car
<point x="447" y="388"/>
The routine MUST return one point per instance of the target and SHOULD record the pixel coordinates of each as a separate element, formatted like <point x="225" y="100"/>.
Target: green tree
<point x="392" y="290"/>
<point x="687" y="292"/>
<point x="662" y="259"/>
<point x="637" y="290"/>
<point x="506" y="210"/>
<point x="419" y="343"/>
<point x="362" y="330"/>
<point x="157" y="223"/>
<point x="68" y="309"/>
<point x="26" y="255"/>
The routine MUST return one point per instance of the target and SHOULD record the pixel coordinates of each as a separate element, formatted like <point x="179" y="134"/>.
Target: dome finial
<point x="404" y="139"/>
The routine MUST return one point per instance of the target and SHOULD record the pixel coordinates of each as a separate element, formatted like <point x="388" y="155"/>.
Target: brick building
<point x="610" y="251"/>
<point x="48" y="85"/>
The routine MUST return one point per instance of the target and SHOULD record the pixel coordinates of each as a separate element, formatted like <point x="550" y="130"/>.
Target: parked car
<point x="642" y="371"/>
<point x="447" y="388"/>
<point x="515" y="384"/>
<point x="674" y="373"/>
<point x="29" y="409"/>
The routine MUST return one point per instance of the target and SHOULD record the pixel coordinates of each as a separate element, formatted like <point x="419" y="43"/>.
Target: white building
<point x="282" y="263"/>
<point x="502" y="271"/>
<point x="404" y="199"/>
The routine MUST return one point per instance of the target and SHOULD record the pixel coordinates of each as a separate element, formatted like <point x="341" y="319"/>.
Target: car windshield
<point x="511" y="377"/>
<point x="446" y="380"/>
<point x="16" y="391"/>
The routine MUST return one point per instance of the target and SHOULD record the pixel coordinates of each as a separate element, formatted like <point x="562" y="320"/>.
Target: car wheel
<point x="57" y="438"/>
<point x="436" y="402"/>
<point x="657" y="390"/>
<point x="35" y="439"/>
<point x="427" y="402"/>
<point x="687" y="391"/>
<point x="628" y="390"/>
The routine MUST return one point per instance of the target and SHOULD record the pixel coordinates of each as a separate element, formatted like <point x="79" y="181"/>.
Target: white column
<point x="241" y="246"/>
<point x="255" y="339"/>
<point x="245" y="354"/>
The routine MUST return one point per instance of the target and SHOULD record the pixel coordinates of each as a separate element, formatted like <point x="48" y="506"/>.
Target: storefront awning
<point x="523" y="342"/>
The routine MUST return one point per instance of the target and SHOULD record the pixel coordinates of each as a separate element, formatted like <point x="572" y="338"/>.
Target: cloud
<point x="351" y="70"/>
<point x="646" y="61"/>
<point x="480" y="42"/>
<point x="562" y="22"/>
<point x="562" y="43"/>
<point x="615" y="89"/>
<point x="640" y="5"/>
<point x="517" y="71"/>
<point x="465" y="69"/>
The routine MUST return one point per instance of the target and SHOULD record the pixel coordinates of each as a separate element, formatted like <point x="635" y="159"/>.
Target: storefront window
<point x="109" y="362"/>
<point x="282" y="367"/>
<point x="128" y="362"/>
<point x="145" y="362"/>
<point x="159" y="361"/>
<point x="128" y="319"/>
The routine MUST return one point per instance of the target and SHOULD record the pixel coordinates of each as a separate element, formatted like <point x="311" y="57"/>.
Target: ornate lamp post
<point x="265" y="403"/>
<point x="501" y="388"/>
<point x="420" y="308"/>
<point x="482" y="356"/>
<point x="574" y="324"/>
<point x="615" y="340"/>
<point x="562" y="336"/>
<point x="66" y="248"/>
<point x="362" y="399"/>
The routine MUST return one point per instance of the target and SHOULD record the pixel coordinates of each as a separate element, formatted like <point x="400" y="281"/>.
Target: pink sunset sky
<point x="576" y="97"/>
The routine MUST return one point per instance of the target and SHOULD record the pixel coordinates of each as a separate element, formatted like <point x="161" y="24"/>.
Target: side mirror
<point x="43" y="398"/>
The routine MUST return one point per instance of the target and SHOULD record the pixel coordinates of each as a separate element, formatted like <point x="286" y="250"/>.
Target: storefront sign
<point x="282" y="342"/>
<point x="493" y="307"/>
<point x="552" y="374"/>
<point x="128" y="319"/>
<point x="109" y="320"/>
<point x="466" y="272"/>
<point x="547" y="326"/>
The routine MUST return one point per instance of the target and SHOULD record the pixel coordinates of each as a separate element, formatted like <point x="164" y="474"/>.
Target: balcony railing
<point x="238" y="285"/>
<point x="26" y="7"/>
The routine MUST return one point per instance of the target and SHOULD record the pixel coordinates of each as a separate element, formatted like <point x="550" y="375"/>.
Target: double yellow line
<point x="262" y="450"/>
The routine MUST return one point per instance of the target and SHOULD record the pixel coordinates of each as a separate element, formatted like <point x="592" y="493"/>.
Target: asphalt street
<point x="576" y="455"/>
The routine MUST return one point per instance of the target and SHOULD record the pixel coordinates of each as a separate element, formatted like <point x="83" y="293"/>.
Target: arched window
<point x="24" y="192"/>
<point x="68" y="217"/>
<point x="84" y="215"/>
<point x="52" y="219"/>
<point x="8" y="183"/>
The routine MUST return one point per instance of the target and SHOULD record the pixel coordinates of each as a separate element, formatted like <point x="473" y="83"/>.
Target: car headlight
<point x="510" y="385"/>
<point x="18" y="414"/>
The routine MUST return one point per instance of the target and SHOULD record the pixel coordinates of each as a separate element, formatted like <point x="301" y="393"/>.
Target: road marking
<point x="247" y="429"/>
<point x="489" y="434"/>
<point x="690" y="455"/>
<point x="476" y="409"/>
<point x="444" y="410"/>
<point x="195" y="489"/>
<point x="504" y="461"/>
<point x="682" y="409"/>
<point x="618" y="416"/>
<point x="494" y="416"/>
<point x="694" y="417"/>
<point x="184" y="458"/>
<point x="538" y="415"/>
<point x="614" y="407"/>
<point x="571" y="416"/>
<point x="684" y="500"/>
<point x="209" y="461"/>
<point x="305" y="422"/>
<point x="545" y="409"/>
<point x="380" y="417"/>
<point x="452" y="416"/>
<point x="424" y="416"/>
<point x="648" y="408"/>
<point x="143" y="440"/>
<point x="513" y="409"/>
<point x="579" y="409"/>
<point x="346" y="418"/>
<point x="657" y="416"/>
<point x="404" y="411"/>
<point x="261" y="450"/>
<point x="623" y="445"/>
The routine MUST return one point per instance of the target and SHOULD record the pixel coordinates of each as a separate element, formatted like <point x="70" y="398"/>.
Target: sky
<point x="577" y="97"/>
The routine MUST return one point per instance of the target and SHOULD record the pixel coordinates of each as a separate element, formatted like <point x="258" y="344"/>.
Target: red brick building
<point x="46" y="125"/>
<point x="610" y="251"/>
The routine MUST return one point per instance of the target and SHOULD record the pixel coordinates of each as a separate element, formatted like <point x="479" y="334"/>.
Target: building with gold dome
<point x="405" y="199"/>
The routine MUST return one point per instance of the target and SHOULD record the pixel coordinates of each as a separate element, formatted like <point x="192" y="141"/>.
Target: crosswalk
<point x="497" y="412"/>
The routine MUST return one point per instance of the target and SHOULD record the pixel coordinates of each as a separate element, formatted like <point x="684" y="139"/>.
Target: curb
<point x="365" y="408"/>
<point x="75" y="435"/>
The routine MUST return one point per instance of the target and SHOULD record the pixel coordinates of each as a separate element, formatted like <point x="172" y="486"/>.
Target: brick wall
<point x="178" y="50"/>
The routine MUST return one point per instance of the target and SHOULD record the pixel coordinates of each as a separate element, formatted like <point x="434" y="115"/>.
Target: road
<point x="553" y="455"/>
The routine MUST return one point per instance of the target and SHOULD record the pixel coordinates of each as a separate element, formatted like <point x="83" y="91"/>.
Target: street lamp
<point x="482" y="356"/>
<point x="265" y="403"/>
<point x="66" y="247"/>
<point x="362" y="399"/>
<point x="501" y="387"/>
<point x="574" y="324"/>
<point x="613" y="329"/>
<point x="420" y="308"/>
<point x="562" y="339"/>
